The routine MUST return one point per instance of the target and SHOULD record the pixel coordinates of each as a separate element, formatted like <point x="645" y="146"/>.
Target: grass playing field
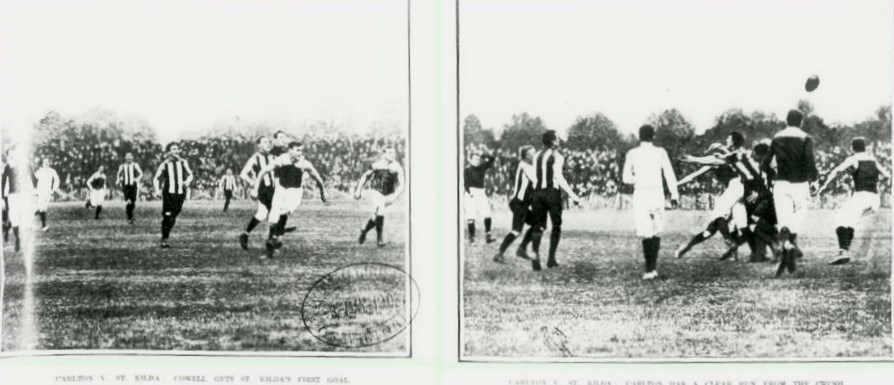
<point x="106" y="285"/>
<point x="596" y="306"/>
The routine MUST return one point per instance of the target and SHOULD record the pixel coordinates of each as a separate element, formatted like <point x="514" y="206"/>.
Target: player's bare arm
<point x="563" y="184"/>
<point x="689" y="178"/>
<point x="670" y="178"/>
<point x="708" y="160"/>
<point x="189" y="175"/>
<point x="363" y="179"/>
<point x="120" y="175"/>
<point x="157" y="177"/>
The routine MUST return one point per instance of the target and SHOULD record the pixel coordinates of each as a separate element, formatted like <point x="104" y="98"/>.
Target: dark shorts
<point x="265" y="196"/>
<point x="228" y="194"/>
<point x="521" y="214"/>
<point x="171" y="204"/>
<point x="130" y="192"/>
<point x="546" y="202"/>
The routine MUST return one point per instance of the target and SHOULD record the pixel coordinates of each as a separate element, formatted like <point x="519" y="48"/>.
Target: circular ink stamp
<point x="360" y="305"/>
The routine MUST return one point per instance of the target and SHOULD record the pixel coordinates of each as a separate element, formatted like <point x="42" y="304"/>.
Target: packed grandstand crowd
<point x="340" y="160"/>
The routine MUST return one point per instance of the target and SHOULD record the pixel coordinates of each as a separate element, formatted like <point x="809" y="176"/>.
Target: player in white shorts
<point x="646" y="168"/>
<point x="386" y="182"/>
<point x="865" y="171"/>
<point x="476" y="204"/>
<point x="16" y="184"/>
<point x="97" y="186"/>
<point x="290" y="168"/>
<point x="47" y="184"/>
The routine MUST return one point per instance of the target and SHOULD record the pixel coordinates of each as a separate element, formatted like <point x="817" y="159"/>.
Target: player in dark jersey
<point x="520" y="205"/>
<point x="386" y="182"/>
<point x="265" y="186"/>
<point x="171" y="182"/>
<point x="129" y="175"/>
<point x="477" y="205"/>
<point x="289" y="191"/>
<point x="865" y="172"/>
<point x="97" y="186"/>
<point x="718" y="220"/>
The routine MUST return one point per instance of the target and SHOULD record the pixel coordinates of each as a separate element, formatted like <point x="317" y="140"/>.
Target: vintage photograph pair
<point x="635" y="180"/>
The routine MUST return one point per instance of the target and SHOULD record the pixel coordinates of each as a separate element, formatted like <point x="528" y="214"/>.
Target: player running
<point x="383" y="176"/>
<point x="228" y="185"/>
<point x="546" y="198"/>
<point x="262" y="189"/>
<point x="792" y="153"/>
<point x="171" y="182"/>
<point x="129" y="176"/>
<point x="476" y="201"/>
<point x="287" y="195"/>
<point x="644" y="168"/>
<point x="47" y="184"/>
<point x="96" y="183"/>
<point x="520" y="205"/>
<point x="864" y="201"/>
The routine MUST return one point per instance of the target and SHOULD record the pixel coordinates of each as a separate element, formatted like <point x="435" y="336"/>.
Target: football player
<point x="97" y="186"/>
<point x="264" y="192"/>
<point x="171" y="182"/>
<point x="47" y="185"/>
<point x="520" y="205"/>
<point x="129" y="175"/>
<point x="476" y="201"/>
<point x="386" y="182"/>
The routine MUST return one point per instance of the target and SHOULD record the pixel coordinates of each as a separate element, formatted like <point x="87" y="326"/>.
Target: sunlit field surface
<point x="595" y="305"/>
<point x="107" y="285"/>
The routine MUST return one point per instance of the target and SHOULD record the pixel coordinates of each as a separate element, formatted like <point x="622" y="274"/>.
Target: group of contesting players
<point x="764" y="204"/>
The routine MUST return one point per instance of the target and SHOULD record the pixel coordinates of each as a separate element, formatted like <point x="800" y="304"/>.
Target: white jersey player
<point x="646" y="167"/>
<point x="47" y="185"/>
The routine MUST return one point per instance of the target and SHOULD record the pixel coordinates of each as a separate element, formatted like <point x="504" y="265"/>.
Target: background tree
<point x="474" y="133"/>
<point x="523" y="130"/>
<point x="594" y="132"/>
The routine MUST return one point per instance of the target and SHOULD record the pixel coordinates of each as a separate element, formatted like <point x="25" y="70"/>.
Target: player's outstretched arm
<point x="692" y="176"/>
<point x="708" y="160"/>
<point x="362" y="182"/>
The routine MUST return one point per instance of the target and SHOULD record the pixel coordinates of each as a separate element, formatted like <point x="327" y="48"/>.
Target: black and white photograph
<point x="206" y="176"/>
<point x="674" y="180"/>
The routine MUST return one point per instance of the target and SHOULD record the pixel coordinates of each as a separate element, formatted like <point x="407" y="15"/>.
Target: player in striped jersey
<point x="4" y="191"/>
<point x="865" y="172"/>
<point x="546" y="198"/>
<point x="645" y="167"/>
<point x="264" y="191"/>
<point x="171" y="181"/>
<point x="129" y="175"/>
<point x="228" y="185"/>
<point x="96" y="183"/>
<point x="476" y="202"/>
<point x="520" y="205"/>
<point x="47" y="184"/>
<point x="386" y="182"/>
<point x="288" y="193"/>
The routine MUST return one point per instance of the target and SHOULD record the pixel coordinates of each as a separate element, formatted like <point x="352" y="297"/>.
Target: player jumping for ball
<point x="47" y="185"/>
<point x="288" y="193"/>
<point x="520" y="205"/>
<point x="129" y="175"/>
<point x="865" y="171"/>
<point x="386" y="184"/>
